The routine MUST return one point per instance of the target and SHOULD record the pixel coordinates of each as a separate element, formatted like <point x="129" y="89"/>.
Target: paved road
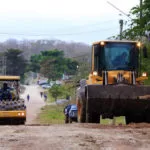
<point x="34" y="104"/>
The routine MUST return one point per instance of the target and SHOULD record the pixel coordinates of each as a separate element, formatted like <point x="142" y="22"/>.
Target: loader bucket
<point x="121" y="91"/>
<point x="117" y="100"/>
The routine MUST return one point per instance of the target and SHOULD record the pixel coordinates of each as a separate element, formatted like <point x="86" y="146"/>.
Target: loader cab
<point x="118" y="55"/>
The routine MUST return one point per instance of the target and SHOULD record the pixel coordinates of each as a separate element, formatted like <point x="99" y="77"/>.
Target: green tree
<point x="56" y="91"/>
<point x="71" y="66"/>
<point x="140" y="24"/>
<point x="63" y="91"/>
<point x="52" y="64"/>
<point x="34" y="63"/>
<point x="16" y="63"/>
<point x="145" y="64"/>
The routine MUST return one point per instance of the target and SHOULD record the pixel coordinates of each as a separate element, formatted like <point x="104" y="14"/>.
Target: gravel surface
<point x="70" y="136"/>
<point x="74" y="137"/>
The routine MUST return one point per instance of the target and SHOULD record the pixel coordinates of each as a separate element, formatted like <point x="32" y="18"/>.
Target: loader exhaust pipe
<point x="105" y="78"/>
<point x="133" y="78"/>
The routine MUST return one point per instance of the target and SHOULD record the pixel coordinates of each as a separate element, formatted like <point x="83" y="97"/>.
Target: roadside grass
<point x="51" y="114"/>
<point x="50" y="98"/>
<point x="118" y="120"/>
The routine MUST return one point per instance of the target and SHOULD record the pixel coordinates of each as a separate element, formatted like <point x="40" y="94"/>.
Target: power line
<point x="119" y="10"/>
<point x="57" y="34"/>
<point x="83" y="25"/>
<point x="94" y="24"/>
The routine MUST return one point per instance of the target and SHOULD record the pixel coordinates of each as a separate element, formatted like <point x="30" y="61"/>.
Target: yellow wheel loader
<point x="12" y="107"/>
<point x="115" y="84"/>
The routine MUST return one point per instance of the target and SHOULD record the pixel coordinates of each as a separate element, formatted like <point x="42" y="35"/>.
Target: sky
<point x="84" y="21"/>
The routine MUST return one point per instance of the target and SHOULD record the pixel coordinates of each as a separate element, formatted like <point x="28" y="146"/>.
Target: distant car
<point x="46" y="86"/>
<point x="70" y="112"/>
<point x="10" y="88"/>
<point x="42" y="82"/>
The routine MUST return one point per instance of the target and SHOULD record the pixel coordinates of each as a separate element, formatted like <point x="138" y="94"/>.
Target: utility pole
<point x="121" y="28"/>
<point x="121" y="20"/>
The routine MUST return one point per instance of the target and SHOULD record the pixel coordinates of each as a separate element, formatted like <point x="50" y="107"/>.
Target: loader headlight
<point x="144" y="74"/>
<point x="95" y="73"/>
<point x="19" y="114"/>
<point x="102" y="43"/>
<point x="22" y="114"/>
<point x="139" y="44"/>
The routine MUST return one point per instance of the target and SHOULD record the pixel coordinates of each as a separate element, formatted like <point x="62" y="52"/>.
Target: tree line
<point x="31" y="47"/>
<point x="51" y="58"/>
<point x="51" y="64"/>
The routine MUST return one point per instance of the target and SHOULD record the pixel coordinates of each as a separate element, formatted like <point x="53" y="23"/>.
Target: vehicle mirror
<point x="145" y="52"/>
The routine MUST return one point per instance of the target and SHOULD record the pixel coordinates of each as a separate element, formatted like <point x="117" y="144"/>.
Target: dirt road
<point x="71" y="136"/>
<point x="34" y="104"/>
<point x="74" y="137"/>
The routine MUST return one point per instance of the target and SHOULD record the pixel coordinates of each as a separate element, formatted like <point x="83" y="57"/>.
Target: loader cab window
<point x="99" y="61"/>
<point x="121" y="56"/>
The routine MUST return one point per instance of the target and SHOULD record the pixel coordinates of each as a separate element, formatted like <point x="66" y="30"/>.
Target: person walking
<point x="41" y="93"/>
<point x="28" y="97"/>
<point x="45" y="97"/>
